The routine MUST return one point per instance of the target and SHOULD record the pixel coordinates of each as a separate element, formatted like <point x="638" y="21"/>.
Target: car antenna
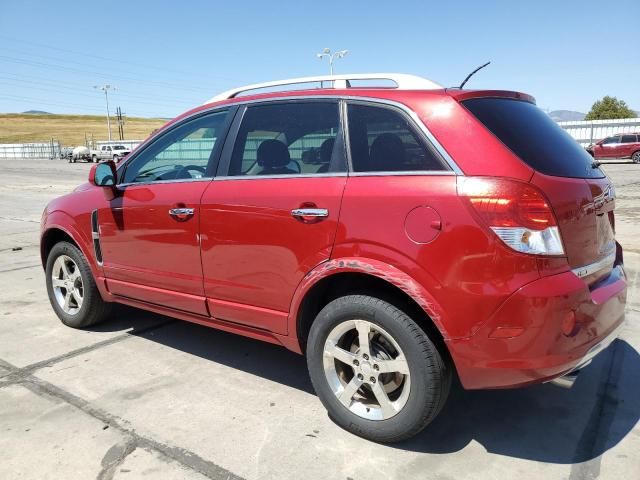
<point x="471" y="74"/>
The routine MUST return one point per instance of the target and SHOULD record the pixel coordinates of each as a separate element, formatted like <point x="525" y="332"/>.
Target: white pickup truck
<point x="109" y="152"/>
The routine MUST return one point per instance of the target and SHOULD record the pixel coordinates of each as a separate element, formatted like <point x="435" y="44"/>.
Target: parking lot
<point x="145" y="395"/>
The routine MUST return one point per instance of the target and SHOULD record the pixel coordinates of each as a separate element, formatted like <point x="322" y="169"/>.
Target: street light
<point x="331" y="56"/>
<point x="105" y="89"/>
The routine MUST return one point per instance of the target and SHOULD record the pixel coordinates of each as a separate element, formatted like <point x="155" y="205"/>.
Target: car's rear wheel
<point x="94" y="159"/>
<point x="376" y="371"/>
<point x="72" y="291"/>
<point x="636" y="157"/>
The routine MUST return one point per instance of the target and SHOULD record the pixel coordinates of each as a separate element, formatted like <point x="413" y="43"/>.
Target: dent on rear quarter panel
<point x="375" y="268"/>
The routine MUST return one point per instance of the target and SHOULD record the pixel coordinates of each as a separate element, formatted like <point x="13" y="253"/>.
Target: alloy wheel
<point x="366" y="370"/>
<point x="66" y="281"/>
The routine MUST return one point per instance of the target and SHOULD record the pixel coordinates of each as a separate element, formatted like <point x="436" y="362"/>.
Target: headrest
<point x="273" y="154"/>
<point x="387" y="152"/>
<point x="326" y="149"/>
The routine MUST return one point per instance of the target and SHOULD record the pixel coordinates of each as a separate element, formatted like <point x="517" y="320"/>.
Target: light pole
<point x="105" y="89"/>
<point x="331" y="56"/>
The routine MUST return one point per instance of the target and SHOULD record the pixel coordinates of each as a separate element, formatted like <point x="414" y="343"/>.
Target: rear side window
<point x="383" y="140"/>
<point x="628" y="139"/>
<point x="534" y="137"/>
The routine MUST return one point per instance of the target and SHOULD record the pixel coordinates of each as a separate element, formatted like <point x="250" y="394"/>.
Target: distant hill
<point x="566" y="116"/>
<point x="69" y="130"/>
<point x="571" y="116"/>
<point x="36" y="112"/>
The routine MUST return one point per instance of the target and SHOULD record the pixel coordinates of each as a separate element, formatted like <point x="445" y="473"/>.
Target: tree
<point x="610" y="107"/>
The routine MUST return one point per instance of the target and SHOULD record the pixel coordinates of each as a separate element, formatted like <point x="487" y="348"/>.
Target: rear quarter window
<point x="534" y="137"/>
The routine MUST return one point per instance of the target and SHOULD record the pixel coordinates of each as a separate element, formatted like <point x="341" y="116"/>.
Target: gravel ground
<point x="148" y="396"/>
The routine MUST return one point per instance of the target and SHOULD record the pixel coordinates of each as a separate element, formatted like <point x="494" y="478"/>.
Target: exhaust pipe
<point x="566" y="381"/>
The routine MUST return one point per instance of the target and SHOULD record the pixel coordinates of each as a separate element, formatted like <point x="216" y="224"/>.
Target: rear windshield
<point x="534" y="137"/>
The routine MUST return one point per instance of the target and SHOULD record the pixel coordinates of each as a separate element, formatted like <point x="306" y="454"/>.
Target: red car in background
<point x="394" y="236"/>
<point x="620" y="146"/>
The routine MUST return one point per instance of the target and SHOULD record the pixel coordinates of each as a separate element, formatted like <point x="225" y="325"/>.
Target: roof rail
<point x="402" y="81"/>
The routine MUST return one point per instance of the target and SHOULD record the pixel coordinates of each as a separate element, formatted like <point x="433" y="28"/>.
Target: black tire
<point x="430" y="373"/>
<point x="93" y="309"/>
<point x="94" y="159"/>
<point x="635" y="157"/>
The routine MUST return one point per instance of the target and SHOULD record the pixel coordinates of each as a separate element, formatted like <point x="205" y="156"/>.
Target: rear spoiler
<point x="461" y="95"/>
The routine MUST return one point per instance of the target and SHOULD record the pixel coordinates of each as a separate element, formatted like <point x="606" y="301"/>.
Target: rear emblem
<point x="610" y="194"/>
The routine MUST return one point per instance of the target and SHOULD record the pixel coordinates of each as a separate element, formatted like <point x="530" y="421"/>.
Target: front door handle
<point x="309" y="215"/>
<point x="181" y="213"/>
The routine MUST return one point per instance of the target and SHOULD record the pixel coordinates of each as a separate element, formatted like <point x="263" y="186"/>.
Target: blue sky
<point x="165" y="57"/>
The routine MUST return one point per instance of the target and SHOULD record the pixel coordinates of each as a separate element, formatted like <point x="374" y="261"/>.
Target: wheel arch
<point x="348" y="276"/>
<point x="60" y="226"/>
<point x="49" y="239"/>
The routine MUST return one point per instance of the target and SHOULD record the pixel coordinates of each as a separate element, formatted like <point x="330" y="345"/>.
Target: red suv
<point x="622" y="145"/>
<point x="394" y="236"/>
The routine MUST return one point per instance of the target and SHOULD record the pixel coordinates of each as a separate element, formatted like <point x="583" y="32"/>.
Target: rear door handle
<point x="181" y="213"/>
<point x="310" y="212"/>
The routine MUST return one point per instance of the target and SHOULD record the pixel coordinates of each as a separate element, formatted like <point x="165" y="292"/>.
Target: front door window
<point x="184" y="153"/>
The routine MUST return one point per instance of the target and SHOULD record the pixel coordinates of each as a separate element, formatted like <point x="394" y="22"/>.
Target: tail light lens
<point x="517" y="213"/>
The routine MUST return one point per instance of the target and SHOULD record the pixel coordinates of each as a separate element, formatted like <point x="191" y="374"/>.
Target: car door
<point x="608" y="148"/>
<point x="272" y="213"/>
<point x="149" y="233"/>
<point x="627" y="145"/>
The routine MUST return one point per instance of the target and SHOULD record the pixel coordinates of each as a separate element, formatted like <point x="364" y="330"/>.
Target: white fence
<point x="590" y="131"/>
<point x="29" y="150"/>
<point x="48" y="150"/>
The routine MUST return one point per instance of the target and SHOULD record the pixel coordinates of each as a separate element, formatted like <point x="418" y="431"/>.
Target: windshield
<point x="534" y="137"/>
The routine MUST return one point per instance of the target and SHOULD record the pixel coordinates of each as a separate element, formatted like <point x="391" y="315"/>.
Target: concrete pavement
<point x="147" y="396"/>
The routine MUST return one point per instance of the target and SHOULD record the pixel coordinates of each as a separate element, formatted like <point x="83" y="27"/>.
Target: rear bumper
<point x="538" y="346"/>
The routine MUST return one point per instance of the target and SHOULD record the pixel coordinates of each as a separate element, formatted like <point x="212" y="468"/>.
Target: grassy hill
<point x="70" y="129"/>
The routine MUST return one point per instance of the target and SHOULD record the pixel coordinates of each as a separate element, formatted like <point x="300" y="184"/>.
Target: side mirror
<point x="103" y="174"/>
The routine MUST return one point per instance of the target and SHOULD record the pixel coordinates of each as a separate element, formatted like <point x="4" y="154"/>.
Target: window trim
<point x="237" y="108"/>
<point x="224" y="165"/>
<point x="448" y="168"/>
<point x="214" y="159"/>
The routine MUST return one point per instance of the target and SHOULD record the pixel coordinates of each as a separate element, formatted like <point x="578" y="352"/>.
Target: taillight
<point x="517" y="213"/>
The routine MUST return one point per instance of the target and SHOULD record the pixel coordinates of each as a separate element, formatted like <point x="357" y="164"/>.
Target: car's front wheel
<point x="376" y="371"/>
<point x="72" y="291"/>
